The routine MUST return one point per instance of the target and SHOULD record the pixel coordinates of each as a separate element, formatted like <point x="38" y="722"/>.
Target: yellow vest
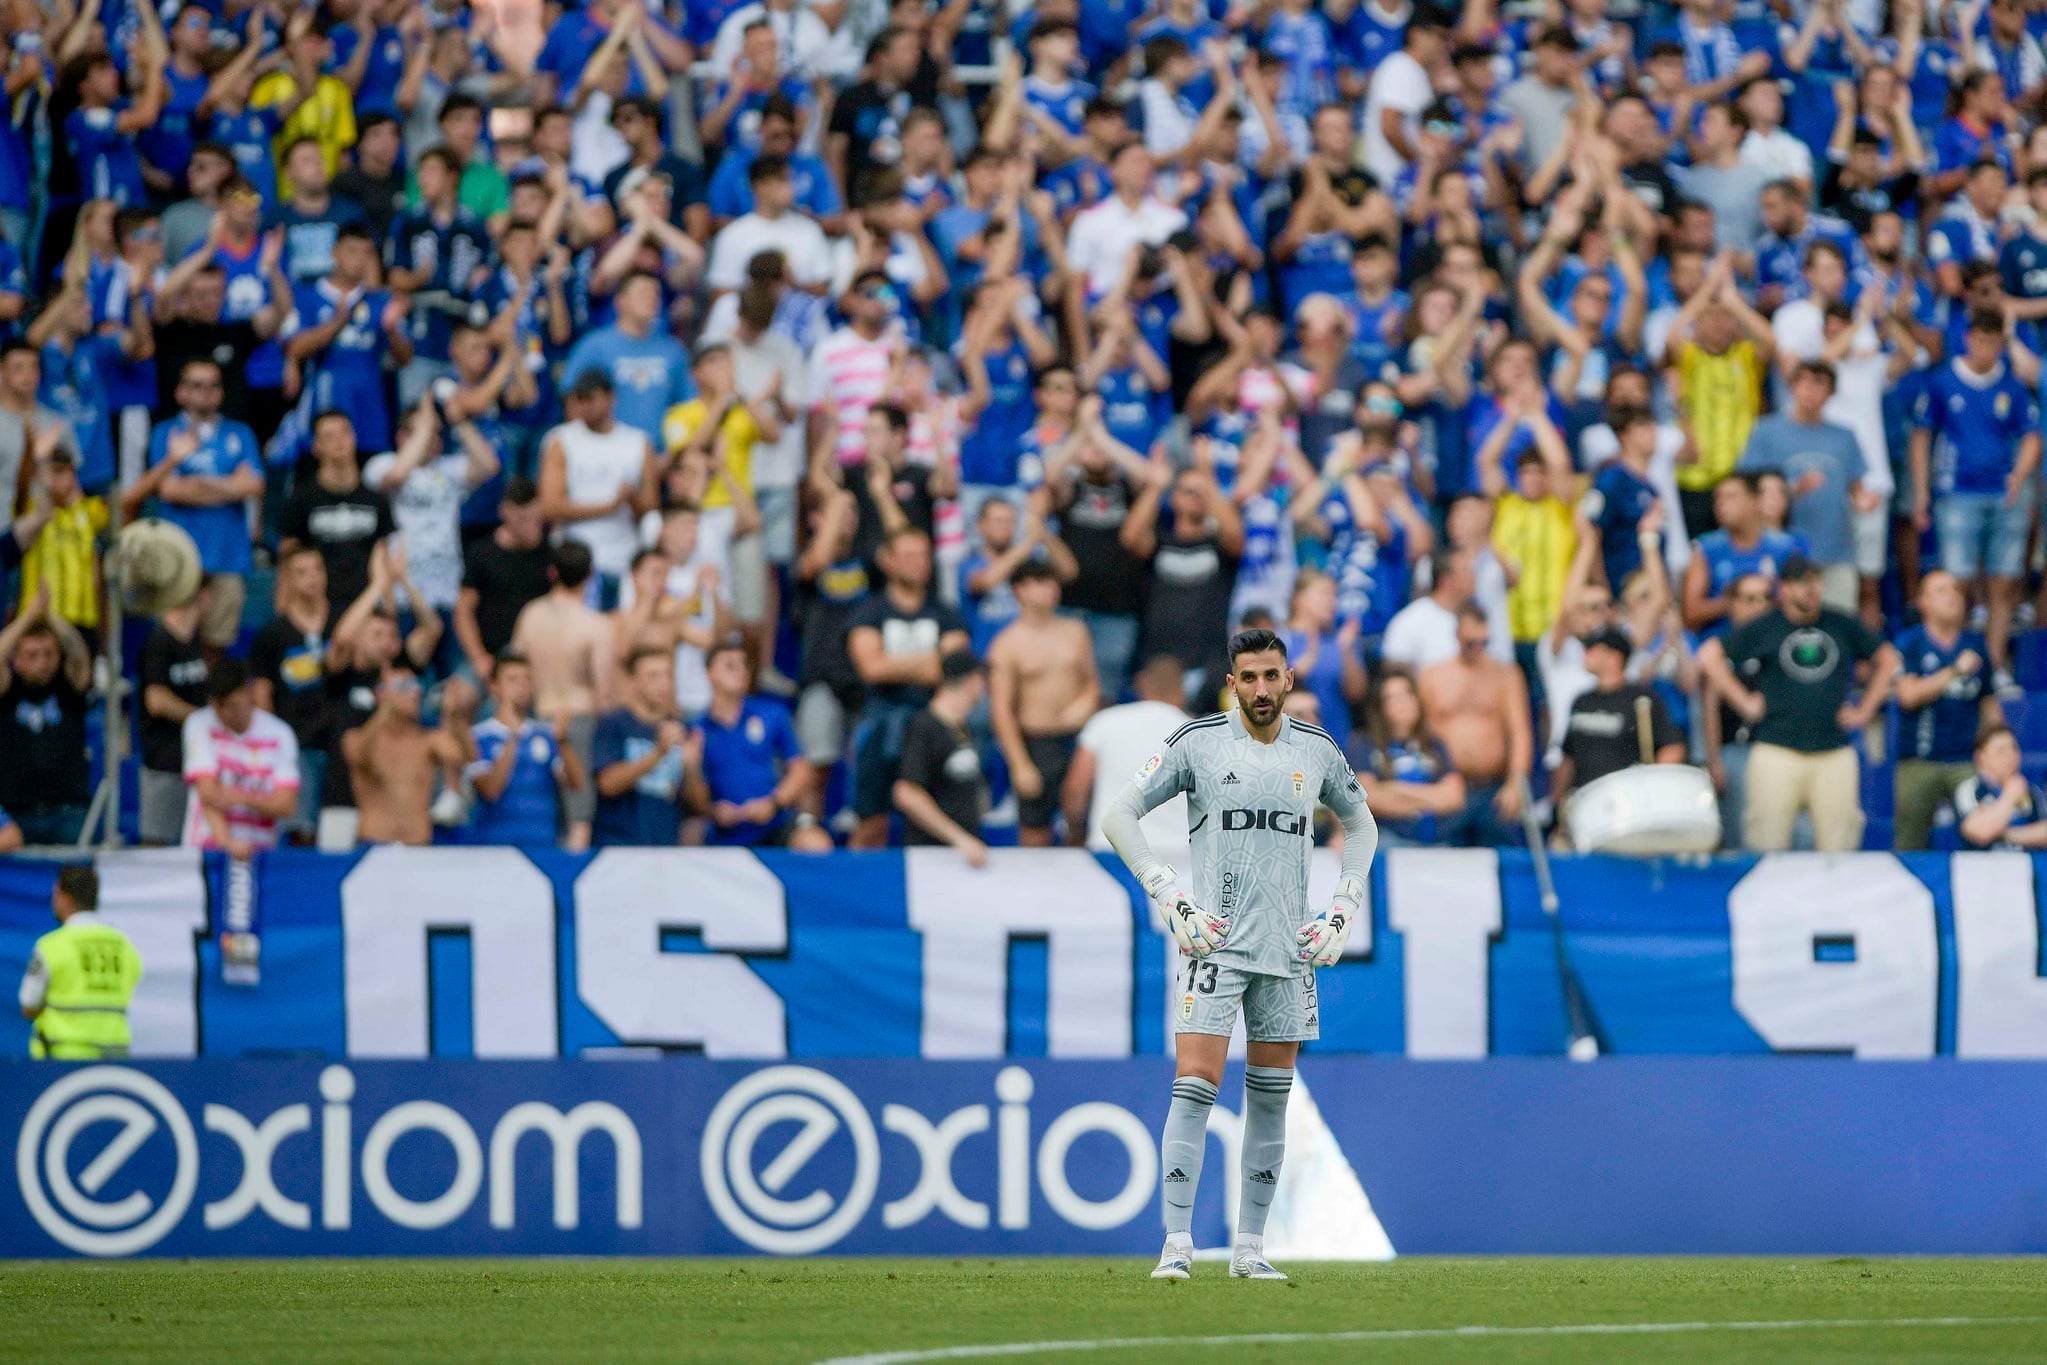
<point x="92" y="970"/>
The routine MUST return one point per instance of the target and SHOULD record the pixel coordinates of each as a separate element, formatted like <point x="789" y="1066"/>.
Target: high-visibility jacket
<point x="89" y="972"/>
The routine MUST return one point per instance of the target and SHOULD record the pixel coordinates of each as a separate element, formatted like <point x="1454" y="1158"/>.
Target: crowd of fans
<point x="830" y="421"/>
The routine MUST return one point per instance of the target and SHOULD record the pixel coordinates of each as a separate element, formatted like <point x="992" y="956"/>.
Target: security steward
<point x="80" y="979"/>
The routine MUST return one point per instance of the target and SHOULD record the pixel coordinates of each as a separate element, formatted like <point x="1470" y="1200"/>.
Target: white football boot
<point x="1247" y="1261"/>
<point x="1176" y="1261"/>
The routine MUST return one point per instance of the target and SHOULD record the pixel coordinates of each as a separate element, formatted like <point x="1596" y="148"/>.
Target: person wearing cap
<point x="1789" y="673"/>
<point x="1603" y="735"/>
<point x="597" y="478"/>
<point x="939" y="786"/>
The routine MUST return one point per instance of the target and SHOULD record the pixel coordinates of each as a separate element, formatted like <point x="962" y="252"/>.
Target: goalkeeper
<point x="1248" y="937"/>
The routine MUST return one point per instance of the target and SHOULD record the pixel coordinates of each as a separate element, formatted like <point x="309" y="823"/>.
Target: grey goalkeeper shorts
<point x="1277" y="1009"/>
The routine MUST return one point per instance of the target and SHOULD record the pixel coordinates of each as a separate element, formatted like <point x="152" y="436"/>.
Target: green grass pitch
<point x="794" y="1311"/>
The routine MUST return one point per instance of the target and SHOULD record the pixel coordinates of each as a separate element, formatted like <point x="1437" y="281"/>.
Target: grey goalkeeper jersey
<point x="1250" y="820"/>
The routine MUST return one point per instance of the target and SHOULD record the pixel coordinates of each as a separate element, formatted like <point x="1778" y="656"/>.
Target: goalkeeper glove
<point x="1198" y="932"/>
<point x="1322" y="939"/>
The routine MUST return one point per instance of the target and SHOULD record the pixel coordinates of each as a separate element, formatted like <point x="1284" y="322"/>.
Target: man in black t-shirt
<point x="1604" y="733"/>
<point x="173" y="687"/>
<point x="867" y="121"/>
<point x="888" y="489"/>
<point x="335" y="514"/>
<point x="831" y="583"/>
<point x="196" y="328"/>
<point x="500" y="575"/>
<point x="1092" y="498"/>
<point x="1789" y="672"/>
<point x="1193" y="572"/>
<point x="939" y="787"/>
<point x="45" y="777"/>
<point x="897" y="640"/>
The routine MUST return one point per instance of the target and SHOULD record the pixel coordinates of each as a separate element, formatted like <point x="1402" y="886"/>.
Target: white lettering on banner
<point x="749" y="1202"/>
<point x="2001" y="1000"/>
<point x="1139" y="1187"/>
<point x="258" y="1146"/>
<point x="77" y="1219"/>
<point x="750" y="1205"/>
<point x="395" y="895"/>
<point x="67" y="1206"/>
<point x="1884" y="1002"/>
<point x="157" y="897"/>
<point x="967" y="919"/>
<point x="337" y="1087"/>
<point x="626" y="897"/>
<point x="935" y="1144"/>
<point x="444" y="1208"/>
<point x="565" y="1133"/>
<point x="1445" y="903"/>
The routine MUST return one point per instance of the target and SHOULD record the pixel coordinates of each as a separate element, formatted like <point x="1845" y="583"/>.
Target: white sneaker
<point x="1176" y="1261"/>
<point x="1247" y="1261"/>
<point x="2005" y="685"/>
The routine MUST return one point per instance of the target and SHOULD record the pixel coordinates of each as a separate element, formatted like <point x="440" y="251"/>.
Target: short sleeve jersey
<point x="1251" y="820"/>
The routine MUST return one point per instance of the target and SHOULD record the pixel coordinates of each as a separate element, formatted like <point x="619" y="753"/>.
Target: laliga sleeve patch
<point x="1151" y="765"/>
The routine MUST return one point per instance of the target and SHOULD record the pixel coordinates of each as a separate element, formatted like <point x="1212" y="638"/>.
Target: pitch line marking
<point x="1029" y="1348"/>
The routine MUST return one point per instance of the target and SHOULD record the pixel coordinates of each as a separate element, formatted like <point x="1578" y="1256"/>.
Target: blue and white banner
<point x="495" y="953"/>
<point x="687" y="1157"/>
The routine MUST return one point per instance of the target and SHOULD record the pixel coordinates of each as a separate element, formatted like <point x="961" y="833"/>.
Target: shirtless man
<point x="1478" y="708"/>
<point x="1042" y="690"/>
<point x="569" y="645"/>
<point x="392" y="759"/>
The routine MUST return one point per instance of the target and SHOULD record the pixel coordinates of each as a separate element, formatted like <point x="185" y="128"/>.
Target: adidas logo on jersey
<point x="1176" y="1176"/>
<point x="1258" y="1178"/>
<point x="1229" y="779"/>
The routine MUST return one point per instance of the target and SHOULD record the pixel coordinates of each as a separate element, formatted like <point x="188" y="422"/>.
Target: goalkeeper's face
<point x="1261" y="681"/>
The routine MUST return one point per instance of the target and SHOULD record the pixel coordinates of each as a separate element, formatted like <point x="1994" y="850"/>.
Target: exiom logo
<point x="80" y="1211"/>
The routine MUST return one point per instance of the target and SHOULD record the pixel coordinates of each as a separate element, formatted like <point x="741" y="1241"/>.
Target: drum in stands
<point x="1646" y="810"/>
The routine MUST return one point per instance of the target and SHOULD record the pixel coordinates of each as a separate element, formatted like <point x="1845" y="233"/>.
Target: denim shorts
<point x="1980" y="534"/>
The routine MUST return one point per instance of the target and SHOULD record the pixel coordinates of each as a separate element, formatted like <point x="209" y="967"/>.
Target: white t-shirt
<point x="801" y="242"/>
<point x="1564" y="679"/>
<point x="692" y="679"/>
<point x="1599" y="444"/>
<point x="261" y="760"/>
<point x="428" y="510"/>
<point x="1098" y="245"/>
<point x="1401" y="84"/>
<point x="1167" y="125"/>
<point x="1422" y="633"/>
<point x="1121" y="738"/>
<point x="803" y="38"/>
<point x="596" y="149"/>
<point x="598" y="466"/>
<point x="1778" y="155"/>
